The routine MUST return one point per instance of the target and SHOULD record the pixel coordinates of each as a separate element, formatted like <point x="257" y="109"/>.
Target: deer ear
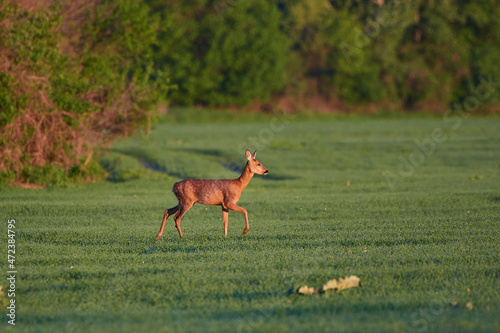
<point x="248" y="155"/>
<point x="254" y="154"/>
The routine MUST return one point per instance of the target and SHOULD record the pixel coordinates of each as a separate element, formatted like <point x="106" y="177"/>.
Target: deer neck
<point x="245" y="177"/>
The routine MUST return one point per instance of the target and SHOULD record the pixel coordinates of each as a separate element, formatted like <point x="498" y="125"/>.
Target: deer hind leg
<point x="178" y="216"/>
<point x="167" y="213"/>
<point x="236" y="208"/>
<point x="224" y="219"/>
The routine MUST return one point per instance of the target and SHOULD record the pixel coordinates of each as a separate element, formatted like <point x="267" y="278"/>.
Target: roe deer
<point x="223" y="192"/>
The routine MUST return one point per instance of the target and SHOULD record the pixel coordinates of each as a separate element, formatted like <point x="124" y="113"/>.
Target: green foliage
<point x="68" y="87"/>
<point x="76" y="76"/>
<point x="248" y="53"/>
<point x="417" y="55"/>
<point x="119" y="51"/>
<point x="7" y="104"/>
<point x="222" y="53"/>
<point x="423" y="250"/>
<point x="485" y="51"/>
<point x="57" y="176"/>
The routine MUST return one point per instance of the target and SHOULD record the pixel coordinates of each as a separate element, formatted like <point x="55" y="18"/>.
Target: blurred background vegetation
<point x="75" y="75"/>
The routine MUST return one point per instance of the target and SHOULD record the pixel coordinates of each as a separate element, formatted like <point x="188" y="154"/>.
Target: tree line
<point x="422" y="55"/>
<point x="74" y="75"/>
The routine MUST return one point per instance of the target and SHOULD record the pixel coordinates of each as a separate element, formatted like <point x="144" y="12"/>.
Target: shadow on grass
<point x="224" y="159"/>
<point x="216" y="154"/>
<point x="147" y="161"/>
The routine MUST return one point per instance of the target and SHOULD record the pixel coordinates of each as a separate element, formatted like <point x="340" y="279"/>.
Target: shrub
<point x="73" y="78"/>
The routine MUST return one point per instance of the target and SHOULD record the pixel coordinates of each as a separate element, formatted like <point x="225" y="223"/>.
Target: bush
<point x="222" y="53"/>
<point x="59" y="107"/>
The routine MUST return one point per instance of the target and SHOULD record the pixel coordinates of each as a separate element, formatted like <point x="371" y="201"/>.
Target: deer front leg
<point x="237" y="208"/>
<point x="224" y="219"/>
<point x="182" y="210"/>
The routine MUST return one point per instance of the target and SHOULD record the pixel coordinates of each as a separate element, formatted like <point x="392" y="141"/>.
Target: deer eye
<point x="258" y="164"/>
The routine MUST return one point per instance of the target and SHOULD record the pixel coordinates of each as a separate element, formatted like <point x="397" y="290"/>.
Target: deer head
<point x="254" y="165"/>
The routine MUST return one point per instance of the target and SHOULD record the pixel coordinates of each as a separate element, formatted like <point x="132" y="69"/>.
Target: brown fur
<point x="221" y="192"/>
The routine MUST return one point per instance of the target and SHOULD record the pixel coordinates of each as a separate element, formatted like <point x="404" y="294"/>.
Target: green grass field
<point x="419" y="226"/>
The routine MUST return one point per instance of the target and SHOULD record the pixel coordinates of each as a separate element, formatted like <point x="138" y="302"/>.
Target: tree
<point x="59" y="107"/>
<point x="222" y="53"/>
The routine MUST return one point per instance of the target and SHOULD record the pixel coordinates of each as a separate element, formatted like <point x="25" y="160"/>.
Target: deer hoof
<point x="158" y="236"/>
<point x="245" y="231"/>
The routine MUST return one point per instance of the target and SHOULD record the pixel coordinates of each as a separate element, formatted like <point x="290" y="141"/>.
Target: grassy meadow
<point x="409" y="205"/>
